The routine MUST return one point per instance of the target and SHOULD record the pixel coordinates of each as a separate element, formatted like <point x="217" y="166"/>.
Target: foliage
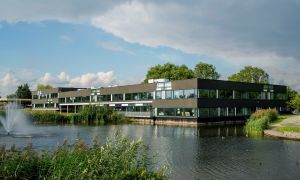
<point x="41" y="87"/>
<point x="180" y="72"/>
<point x="11" y="96"/>
<point x="48" y="117"/>
<point x="289" y="129"/>
<point x="87" y="114"/>
<point x="260" y="120"/>
<point x="169" y="71"/>
<point x="271" y="114"/>
<point x="295" y="102"/>
<point x="250" y="74"/>
<point x="118" y="158"/>
<point x="23" y="92"/>
<point x="206" y="71"/>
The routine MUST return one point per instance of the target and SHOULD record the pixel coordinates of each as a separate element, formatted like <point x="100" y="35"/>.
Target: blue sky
<point x="101" y="43"/>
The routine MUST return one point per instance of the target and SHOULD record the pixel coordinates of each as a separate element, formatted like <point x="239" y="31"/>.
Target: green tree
<point x="295" y="103"/>
<point x="250" y="74"/>
<point x="23" y="92"/>
<point x="169" y="71"/>
<point x="292" y="94"/>
<point x="41" y="87"/>
<point x="206" y="71"/>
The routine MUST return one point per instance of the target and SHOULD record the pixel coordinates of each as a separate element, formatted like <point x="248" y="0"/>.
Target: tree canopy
<point x="180" y="72"/>
<point x="295" y="103"/>
<point x="206" y="71"/>
<point x="23" y="92"/>
<point x="41" y="87"/>
<point x="250" y="74"/>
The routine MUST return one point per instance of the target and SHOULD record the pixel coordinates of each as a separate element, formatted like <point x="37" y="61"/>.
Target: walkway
<point x="291" y="122"/>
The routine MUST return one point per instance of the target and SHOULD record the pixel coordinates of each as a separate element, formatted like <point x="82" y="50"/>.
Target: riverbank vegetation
<point x="86" y="115"/>
<point x="118" y="158"/>
<point x="260" y="120"/>
<point x="289" y="129"/>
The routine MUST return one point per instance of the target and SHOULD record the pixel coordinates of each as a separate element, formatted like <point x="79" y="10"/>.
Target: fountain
<point x="15" y="120"/>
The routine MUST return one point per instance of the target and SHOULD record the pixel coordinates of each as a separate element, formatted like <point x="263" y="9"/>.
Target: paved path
<point x="292" y="122"/>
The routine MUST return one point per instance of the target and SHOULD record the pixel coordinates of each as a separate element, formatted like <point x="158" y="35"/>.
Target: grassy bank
<point x="118" y="158"/>
<point x="86" y="115"/>
<point x="289" y="129"/>
<point x="260" y="120"/>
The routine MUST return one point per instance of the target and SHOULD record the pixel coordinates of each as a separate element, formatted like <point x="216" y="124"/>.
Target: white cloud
<point x="85" y="80"/>
<point x="263" y="33"/>
<point x="236" y="33"/>
<point x="75" y="11"/>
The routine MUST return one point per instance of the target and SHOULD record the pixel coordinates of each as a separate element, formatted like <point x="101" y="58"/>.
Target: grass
<point x="289" y="129"/>
<point x="118" y="158"/>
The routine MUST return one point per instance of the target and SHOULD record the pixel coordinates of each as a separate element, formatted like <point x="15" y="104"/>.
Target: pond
<point x="189" y="152"/>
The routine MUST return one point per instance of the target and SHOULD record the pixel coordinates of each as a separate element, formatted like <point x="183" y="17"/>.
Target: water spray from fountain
<point x="15" y="120"/>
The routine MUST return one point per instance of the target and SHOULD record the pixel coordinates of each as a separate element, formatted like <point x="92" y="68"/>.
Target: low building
<point x="192" y="100"/>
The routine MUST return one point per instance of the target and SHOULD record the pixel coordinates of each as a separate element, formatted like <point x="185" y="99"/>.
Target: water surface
<point x="190" y="152"/>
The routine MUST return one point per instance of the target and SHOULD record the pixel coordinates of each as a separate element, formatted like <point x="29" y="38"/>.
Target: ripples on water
<point x="190" y="152"/>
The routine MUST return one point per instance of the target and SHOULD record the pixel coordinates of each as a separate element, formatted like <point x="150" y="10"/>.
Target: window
<point x="186" y="112"/>
<point x="225" y="94"/>
<point x="178" y="94"/>
<point x="117" y="97"/>
<point x="280" y="96"/>
<point x="169" y="95"/>
<point x="104" y="97"/>
<point x="190" y="93"/>
<point x="254" y="95"/>
<point x="231" y="112"/>
<point x="61" y="100"/>
<point x="158" y="95"/>
<point x="203" y="112"/>
<point x="203" y="93"/>
<point x="35" y="97"/>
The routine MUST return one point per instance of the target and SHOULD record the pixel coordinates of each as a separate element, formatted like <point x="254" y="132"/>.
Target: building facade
<point x="195" y="100"/>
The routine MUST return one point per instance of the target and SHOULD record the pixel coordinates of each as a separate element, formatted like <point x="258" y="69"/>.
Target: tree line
<point x="205" y="71"/>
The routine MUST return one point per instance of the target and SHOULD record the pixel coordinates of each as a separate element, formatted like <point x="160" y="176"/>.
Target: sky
<point x="94" y="43"/>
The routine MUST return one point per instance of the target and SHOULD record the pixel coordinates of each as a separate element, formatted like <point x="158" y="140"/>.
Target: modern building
<point x="193" y="100"/>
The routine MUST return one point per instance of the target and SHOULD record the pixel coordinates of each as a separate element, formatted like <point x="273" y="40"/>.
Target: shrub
<point x="118" y="158"/>
<point x="260" y="120"/>
<point x="272" y="114"/>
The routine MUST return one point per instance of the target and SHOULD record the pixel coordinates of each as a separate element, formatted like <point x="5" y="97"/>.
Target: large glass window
<point x="254" y="95"/>
<point x="203" y="112"/>
<point x="186" y="112"/>
<point x="158" y="95"/>
<point x="104" y="97"/>
<point x="190" y="93"/>
<point x="203" y="93"/>
<point x="61" y="100"/>
<point x="225" y="94"/>
<point x="168" y="94"/>
<point x="280" y="96"/>
<point x="231" y="112"/>
<point x="178" y="94"/>
<point x="117" y="97"/>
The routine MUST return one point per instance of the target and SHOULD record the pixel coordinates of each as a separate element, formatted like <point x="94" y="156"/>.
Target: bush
<point x="272" y="114"/>
<point x="118" y="158"/>
<point x="260" y="120"/>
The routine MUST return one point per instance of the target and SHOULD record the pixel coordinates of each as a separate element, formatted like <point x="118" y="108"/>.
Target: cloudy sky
<point x="87" y="43"/>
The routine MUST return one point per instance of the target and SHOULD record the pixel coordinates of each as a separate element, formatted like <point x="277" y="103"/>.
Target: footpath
<point x="289" y="122"/>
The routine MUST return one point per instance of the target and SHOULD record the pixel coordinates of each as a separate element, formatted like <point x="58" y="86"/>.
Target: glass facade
<point x="182" y="112"/>
<point x="117" y="97"/>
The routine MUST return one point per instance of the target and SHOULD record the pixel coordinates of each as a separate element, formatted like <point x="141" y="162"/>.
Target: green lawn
<point x="281" y="118"/>
<point x="289" y="129"/>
